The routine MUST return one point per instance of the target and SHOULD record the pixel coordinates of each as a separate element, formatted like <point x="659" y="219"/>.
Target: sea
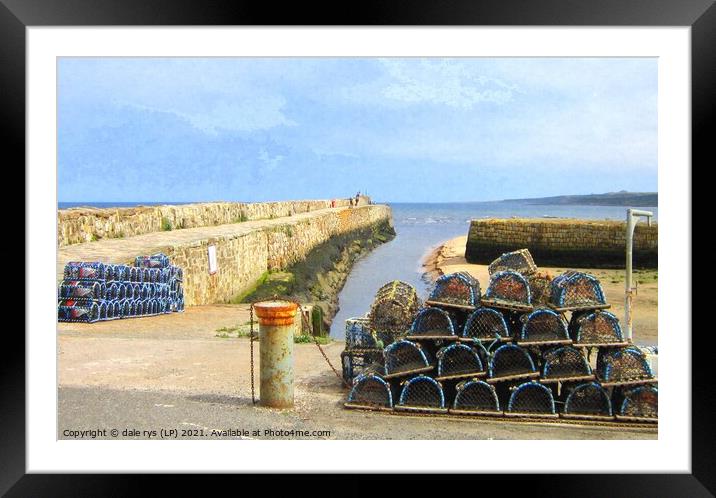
<point x="420" y="228"/>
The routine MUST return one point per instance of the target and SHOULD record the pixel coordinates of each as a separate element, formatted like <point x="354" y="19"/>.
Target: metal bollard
<point x="276" y="325"/>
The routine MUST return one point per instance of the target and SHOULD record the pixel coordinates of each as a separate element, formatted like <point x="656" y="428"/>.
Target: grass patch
<point x="243" y="330"/>
<point x="305" y="339"/>
<point x="166" y="225"/>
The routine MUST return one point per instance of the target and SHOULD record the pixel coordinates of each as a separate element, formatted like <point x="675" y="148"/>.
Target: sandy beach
<point x="450" y="257"/>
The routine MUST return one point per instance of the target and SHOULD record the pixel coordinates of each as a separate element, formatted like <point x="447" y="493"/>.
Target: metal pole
<point x="276" y="325"/>
<point x="631" y="221"/>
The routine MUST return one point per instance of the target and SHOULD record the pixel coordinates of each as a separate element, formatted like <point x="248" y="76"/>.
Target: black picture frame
<point x="700" y="15"/>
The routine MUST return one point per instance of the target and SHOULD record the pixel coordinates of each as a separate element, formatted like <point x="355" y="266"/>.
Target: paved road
<point x="213" y="416"/>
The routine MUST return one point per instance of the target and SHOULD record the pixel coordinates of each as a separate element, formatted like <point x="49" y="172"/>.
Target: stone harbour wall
<point x="243" y="258"/>
<point x="563" y="242"/>
<point x="78" y="225"/>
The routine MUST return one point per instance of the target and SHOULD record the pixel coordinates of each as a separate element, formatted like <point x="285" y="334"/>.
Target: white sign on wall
<point x="213" y="265"/>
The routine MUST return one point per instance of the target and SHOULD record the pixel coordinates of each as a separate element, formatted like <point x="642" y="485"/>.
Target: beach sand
<point x="450" y="257"/>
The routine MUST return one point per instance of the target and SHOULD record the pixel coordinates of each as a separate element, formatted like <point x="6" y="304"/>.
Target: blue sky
<point x="422" y="130"/>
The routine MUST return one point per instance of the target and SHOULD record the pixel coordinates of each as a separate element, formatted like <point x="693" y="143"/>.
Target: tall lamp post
<point x="632" y="218"/>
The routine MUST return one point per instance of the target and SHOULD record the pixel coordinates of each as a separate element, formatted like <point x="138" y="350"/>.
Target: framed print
<point x="464" y="205"/>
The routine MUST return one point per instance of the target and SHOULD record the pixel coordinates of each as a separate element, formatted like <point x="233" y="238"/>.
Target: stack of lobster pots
<point x="96" y="291"/>
<point x="532" y="346"/>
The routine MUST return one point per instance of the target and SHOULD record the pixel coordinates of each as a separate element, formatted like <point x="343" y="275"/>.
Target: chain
<point x="304" y="324"/>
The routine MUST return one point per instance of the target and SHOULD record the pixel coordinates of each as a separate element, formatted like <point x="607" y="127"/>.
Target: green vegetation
<point x="241" y="218"/>
<point x="317" y="321"/>
<point x="166" y="225"/>
<point x="94" y="238"/>
<point x="305" y="339"/>
<point x="243" y="330"/>
<point x="249" y="294"/>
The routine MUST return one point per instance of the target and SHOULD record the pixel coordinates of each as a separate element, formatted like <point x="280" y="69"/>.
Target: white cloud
<point x="443" y="82"/>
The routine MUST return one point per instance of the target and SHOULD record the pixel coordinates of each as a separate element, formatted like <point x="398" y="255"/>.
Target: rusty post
<point x="276" y="325"/>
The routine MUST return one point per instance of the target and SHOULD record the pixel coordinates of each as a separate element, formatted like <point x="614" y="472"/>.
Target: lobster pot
<point x="422" y="393"/>
<point x="509" y="362"/>
<point x="542" y="327"/>
<point x="85" y="311"/>
<point x="117" y="291"/>
<point x="124" y="308"/>
<point x="176" y="273"/>
<point x="456" y="289"/>
<point x="588" y="400"/>
<point x="575" y="290"/>
<point x="114" y="310"/>
<point x="432" y="323"/>
<point x="150" y="275"/>
<point x="540" y="288"/>
<point x="116" y="273"/>
<point x="531" y="399"/>
<point x="135" y="274"/>
<point x="103" y="309"/>
<point x="458" y="361"/>
<point x="520" y="261"/>
<point x="371" y="392"/>
<point x="83" y="289"/>
<point x="361" y="362"/>
<point x="508" y="289"/>
<point x="359" y="335"/>
<point x="485" y="324"/>
<point x="623" y="367"/>
<point x="404" y="358"/>
<point x="110" y="273"/>
<point x="174" y="286"/>
<point x="565" y="364"/>
<point x="476" y="397"/>
<point x="597" y="328"/>
<point x="392" y="311"/>
<point x="78" y="270"/>
<point x="180" y="301"/>
<point x="177" y="304"/>
<point x="136" y="290"/>
<point x="158" y="260"/>
<point x="640" y="404"/>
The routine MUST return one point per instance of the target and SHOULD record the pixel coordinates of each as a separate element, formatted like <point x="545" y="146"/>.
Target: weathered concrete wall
<point x="560" y="242"/>
<point x="77" y="225"/>
<point x="243" y="258"/>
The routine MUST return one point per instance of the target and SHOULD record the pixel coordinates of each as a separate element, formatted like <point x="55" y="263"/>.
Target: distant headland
<point x="621" y="198"/>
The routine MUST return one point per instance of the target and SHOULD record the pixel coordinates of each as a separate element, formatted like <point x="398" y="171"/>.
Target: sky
<point x="399" y="129"/>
